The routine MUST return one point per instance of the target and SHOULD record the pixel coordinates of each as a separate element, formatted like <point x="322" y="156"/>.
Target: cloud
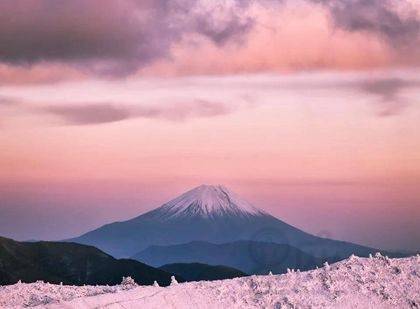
<point x="105" y="36"/>
<point x="305" y="35"/>
<point x="8" y="101"/>
<point x="226" y="25"/>
<point x="183" y="111"/>
<point x="40" y="73"/>
<point x="376" y="16"/>
<point x="109" y="33"/>
<point x="388" y="90"/>
<point x="90" y="114"/>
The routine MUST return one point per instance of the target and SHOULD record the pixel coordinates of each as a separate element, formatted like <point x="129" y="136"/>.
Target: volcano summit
<point x="209" y="202"/>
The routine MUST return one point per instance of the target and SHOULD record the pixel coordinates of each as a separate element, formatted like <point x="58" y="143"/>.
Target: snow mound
<point x="208" y="201"/>
<point x="376" y="282"/>
<point x="40" y="293"/>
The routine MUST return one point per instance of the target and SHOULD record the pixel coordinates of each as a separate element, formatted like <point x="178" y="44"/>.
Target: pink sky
<point x="309" y="110"/>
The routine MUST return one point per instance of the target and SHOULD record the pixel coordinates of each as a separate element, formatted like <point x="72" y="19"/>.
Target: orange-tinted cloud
<point x="287" y="39"/>
<point x="42" y="73"/>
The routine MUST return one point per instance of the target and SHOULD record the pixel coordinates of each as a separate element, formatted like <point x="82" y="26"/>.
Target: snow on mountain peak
<point x="209" y="201"/>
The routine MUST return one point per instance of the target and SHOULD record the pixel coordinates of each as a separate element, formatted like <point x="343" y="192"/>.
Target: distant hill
<point x="250" y="257"/>
<point x="200" y="272"/>
<point x="70" y="263"/>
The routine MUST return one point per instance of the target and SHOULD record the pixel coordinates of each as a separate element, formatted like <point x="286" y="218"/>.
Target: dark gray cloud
<point x="221" y="32"/>
<point x="49" y="30"/>
<point x="8" y="101"/>
<point x="89" y="114"/>
<point x="387" y="93"/>
<point x="387" y="89"/>
<point x="4" y="101"/>
<point x="378" y="17"/>
<point x="390" y="102"/>
<point x="106" y="36"/>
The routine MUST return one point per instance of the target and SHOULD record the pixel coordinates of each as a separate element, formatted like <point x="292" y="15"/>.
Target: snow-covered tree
<point x="128" y="283"/>
<point x="173" y="281"/>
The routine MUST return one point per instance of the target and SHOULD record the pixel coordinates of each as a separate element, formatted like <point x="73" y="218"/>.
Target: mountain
<point x="212" y="214"/>
<point x="200" y="272"/>
<point x="250" y="257"/>
<point x="70" y="263"/>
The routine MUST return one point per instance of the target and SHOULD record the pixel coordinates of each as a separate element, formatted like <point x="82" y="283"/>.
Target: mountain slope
<point x="199" y="271"/>
<point x="69" y="263"/>
<point x="250" y="257"/>
<point x="212" y="214"/>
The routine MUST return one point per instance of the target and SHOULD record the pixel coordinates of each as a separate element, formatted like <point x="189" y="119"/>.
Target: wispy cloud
<point x="8" y="101"/>
<point x="385" y="90"/>
<point x="388" y="93"/>
<point x="388" y="90"/>
<point x="90" y="114"/>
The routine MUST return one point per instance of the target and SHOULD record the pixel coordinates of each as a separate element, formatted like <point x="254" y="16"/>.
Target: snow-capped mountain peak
<point x="208" y="201"/>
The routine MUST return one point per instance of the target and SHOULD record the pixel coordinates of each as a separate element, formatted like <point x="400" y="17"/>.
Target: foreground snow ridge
<point x="376" y="282"/>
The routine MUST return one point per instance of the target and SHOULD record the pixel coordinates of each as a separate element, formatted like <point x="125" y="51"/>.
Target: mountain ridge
<point x="250" y="257"/>
<point x="70" y="263"/>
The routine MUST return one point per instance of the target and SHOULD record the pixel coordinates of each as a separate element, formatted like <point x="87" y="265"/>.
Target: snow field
<point x="376" y="282"/>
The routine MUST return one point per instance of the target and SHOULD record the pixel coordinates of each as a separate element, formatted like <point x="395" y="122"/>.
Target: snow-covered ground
<point x="40" y="293"/>
<point x="376" y="282"/>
